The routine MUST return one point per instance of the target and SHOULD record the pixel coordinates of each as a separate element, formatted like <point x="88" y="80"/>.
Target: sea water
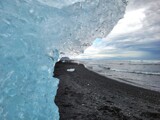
<point x="141" y="73"/>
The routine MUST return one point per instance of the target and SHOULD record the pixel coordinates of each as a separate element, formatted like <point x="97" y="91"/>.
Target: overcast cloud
<point x="136" y="36"/>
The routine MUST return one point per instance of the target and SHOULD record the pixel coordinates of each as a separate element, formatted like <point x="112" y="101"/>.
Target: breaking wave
<point x="137" y="72"/>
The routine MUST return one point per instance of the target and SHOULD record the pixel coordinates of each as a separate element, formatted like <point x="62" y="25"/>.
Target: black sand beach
<point x="85" y="95"/>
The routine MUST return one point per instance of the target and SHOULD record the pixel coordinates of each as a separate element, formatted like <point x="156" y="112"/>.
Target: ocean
<point x="141" y="73"/>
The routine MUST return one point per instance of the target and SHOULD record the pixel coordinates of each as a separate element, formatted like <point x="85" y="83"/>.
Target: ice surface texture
<point x="31" y="34"/>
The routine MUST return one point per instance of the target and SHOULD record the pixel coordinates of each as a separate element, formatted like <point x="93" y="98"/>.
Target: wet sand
<point x="86" y="95"/>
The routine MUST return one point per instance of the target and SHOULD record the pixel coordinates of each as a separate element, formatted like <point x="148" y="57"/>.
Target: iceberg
<point x="32" y="34"/>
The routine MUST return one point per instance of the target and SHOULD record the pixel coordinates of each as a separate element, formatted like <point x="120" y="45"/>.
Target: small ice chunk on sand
<point x="71" y="70"/>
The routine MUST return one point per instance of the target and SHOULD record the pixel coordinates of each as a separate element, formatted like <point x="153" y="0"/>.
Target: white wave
<point x="137" y="72"/>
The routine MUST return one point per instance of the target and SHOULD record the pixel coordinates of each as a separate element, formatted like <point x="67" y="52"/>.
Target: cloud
<point x="137" y="35"/>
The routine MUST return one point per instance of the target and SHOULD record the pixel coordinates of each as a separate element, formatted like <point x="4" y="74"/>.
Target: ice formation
<point x="31" y="34"/>
<point x="71" y="70"/>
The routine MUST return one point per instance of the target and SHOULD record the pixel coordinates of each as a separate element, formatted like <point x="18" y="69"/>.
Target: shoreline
<point x="151" y="87"/>
<point x="84" y="94"/>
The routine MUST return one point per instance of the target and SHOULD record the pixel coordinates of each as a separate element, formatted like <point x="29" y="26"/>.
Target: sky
<point x="136" y="36"/>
